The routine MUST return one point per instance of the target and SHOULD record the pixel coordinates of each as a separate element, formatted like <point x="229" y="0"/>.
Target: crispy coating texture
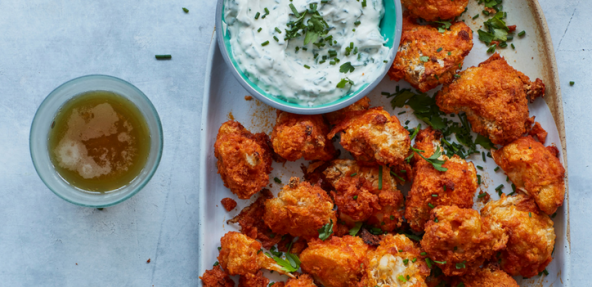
<point x="460" y="236"/>
<point x="531" y="234"/>
<point x="228" y="203"/>
<point x="216" y="278"/>
<point x="432" y="10"/>
<point x="393" y="258"/>
<point x="299" y="210"/>
<point x="244" y="159"/>
<point x="360" y="195"/>
<point x="419" y="41"/>
<point x="535" y="170"/>
<point x="240" y="255"/>
<point x="494" y="98"/>
<point x="253" y="280"/>
<point x="374" y="135"/>
<point x="337" y="116"/>
<point x="488" y="276"/>
<point x="303" y="280"/>
<point x="296" y="136"/>
<point x="538" y="132"/>
<point x="456" y="186"/>
<point x="335" y="262"/>
<point x="251" y="221"/>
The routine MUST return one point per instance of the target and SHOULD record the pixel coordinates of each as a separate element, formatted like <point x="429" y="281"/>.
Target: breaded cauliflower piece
<point x="488" y="276"/>
<point x="431" y="188"/>
<point x="336" y="262"/>
<point x="494" y="97"/>
<point x="432" y="10"/>
<point x="374" y="135"/>
<point x="216" y="278"/>
<point x="337" y="116"/>
<point x="365" y="193"/>
<point x="535" y="170"/>
<point x="396" y="262"/>
<point x="299" y="210"/>
<point x="303" y="280"/>
<point x="253" y="280"/>
<point x="427" y="58"/>
<point x="296" y="136"/>
<point x="244" y="159"/>
<point x="241" y="255"/>
<point x="531" y="234"/>
<point x="462" y="239"/>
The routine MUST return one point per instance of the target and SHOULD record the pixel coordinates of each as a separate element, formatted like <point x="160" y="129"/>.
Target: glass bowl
<point x="391" y="27"/>
<point x="39" y="135"/>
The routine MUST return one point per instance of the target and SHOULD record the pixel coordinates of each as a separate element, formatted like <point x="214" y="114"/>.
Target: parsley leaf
<point x="424" y="58"/>
<point x="291" y="264"/>
<point x="485" y="142"/>
<point x="346" y="67"/>
<point x="326" y="231"/>
<point x="355" y="229"/>
<point x="343" y="82"/>
<point x="436" y="163"/>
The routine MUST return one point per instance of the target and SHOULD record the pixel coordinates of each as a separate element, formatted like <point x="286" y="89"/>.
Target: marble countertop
<point x="45" y="241"/>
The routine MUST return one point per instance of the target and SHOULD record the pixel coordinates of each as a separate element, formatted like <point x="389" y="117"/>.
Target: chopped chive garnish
<point x="481" y="195"/>
<point x="489" y="154"/>
<point x="431" y="205"/>
<point x="476" y="16"/>
<point x="440" y="262"/>
<point x="355" y="197"/>
<point x="480" y="167"/>
<point x="379" y="177"/>
<point x="530" y="214"/>
<point x="185" y="10"/>
<point x="457" y="76"/>
<point x="266" y="10"/>
<point x="499" y="187"/>
<point x="257" y="15"/>
<point x="385" y="93"/>
<point x="278" y="30"/>
<point x="307" y="66"/>
<point x="163" y="57"/>
<point x="496" y="168"/>
<point x="483" y="155"/>
<point x="277" y="180"/>
<point x="357" y="23"/>
<point x="424" y="58"/>
<point x="571" y="83"/>
<point x="513" y="47"/>
<point x="423" y="254"/>
<point x="294" y="10"/>
<point x="405" y="261"/>
<point x="401" y="112"/>
<point x="265" y="43"/>
<point x="439" y="49"/>
<point x="449" y="53"/>
<point x="395" y="175"/>
<point x="216" y="263"/>
<point x="353" y="174"/>
<point x="521" y="33"/>
<point x="259" y="30"/>
<point x="392" y="217"/>
<point x="478" y="179"/>
<point x="491" y="49"/>
<point x="276" y="39"/>
<point x="554" y="214"/>
<point x="434" y="195"/>
<point x="507" y="179"/>
<point x="413" y="260"/>
<point x="363" y="3"/>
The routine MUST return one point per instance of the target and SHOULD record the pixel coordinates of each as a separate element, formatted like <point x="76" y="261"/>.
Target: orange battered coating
<point x="432" y="10"/>
<point x="228" y="203"/>
<point x="303" y="280"/>
<point x="423" y="58"/>
<point x="359" y="198"/>
<point x="531" y="234"/>
<point x="244" y="159"/>
<point x="460" y="237"/>
<point x="299" y="210"/>
<point x="336" y="262"/>
<point x="396" y="256"/>
<point x="251" y="221"/>
<point x="488" y="276"/>
<point x="534" y="170"/>
<point x="241" y="255"/>
<point x="216" y="278"/>
<point x="374" y="136"/>
<point x="538" y="132"/>
<point x="337" y="116"/>
<point x="456" y="186"/>
<point x="253" y="280"/>
<point x="495" y="98"/>
<point x="295" y="136"/>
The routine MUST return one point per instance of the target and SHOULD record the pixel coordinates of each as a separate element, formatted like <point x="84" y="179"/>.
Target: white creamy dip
<point x="288" y="69"/>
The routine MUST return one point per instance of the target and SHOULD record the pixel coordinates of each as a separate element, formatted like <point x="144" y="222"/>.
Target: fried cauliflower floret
<point x="303" y="280"/>
<point x="488" y="276"/>
<point x="244" y="159"/>
<point x="361" y="195"/>
<point x="336" y="262"/>
<point x="337" y="116"/>
<point x="396" y="257"/>
<point x="295" y="136"/>
<point x="216" y="278"/>
<point x="430" y="187"/>
<point x="374" y="136"/>
<point x="494" y="97"/>
<point x="299" y="210"/>
<point x="432" y="10"/>
<point x="241" y="255"/>
<point x="460" y="237"/>
<point x="427" y="58"/>
<point x="531" y="234"/>
<point x="253" y="280"/>
<point x="534" y="170"/>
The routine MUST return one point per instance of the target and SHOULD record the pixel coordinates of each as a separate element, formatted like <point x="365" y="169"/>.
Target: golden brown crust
<point x="228" y="203"/>
<point x="456" y="186"/>
<point x="244" y="159"/>
<point x="303" y="280"/>
<point x="299" y="210"/>
<point x="374" y="136"/>
<point x="460" y="236"/>
<point x="494" y="97"/>
<point x="538" y="132"/>
<point x="216" y="278"/>
<point x="251" y="221"/>
<point x="531" y="234"/>
<point x="241" y="255"/>
<point x="296" y="136"/>
<point x="488" y="276"/>
<point x="534" y="170"/>
<point x="335" y="262"/>
<point x="396" y="256"/>
<point x="253" y="280"/>
<point x="360" y="195"/>
<point x="425" y="41"/>
<point x="337" y="116"/>
<point x="432" y="10"/>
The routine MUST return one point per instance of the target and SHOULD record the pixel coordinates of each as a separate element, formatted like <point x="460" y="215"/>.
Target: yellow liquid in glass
<point x="99" y="141"/>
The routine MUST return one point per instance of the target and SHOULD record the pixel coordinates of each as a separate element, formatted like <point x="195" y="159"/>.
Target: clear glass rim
<point x="152" y="110"/>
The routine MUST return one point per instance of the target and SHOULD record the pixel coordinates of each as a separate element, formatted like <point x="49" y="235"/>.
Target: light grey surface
<point x="45" y="241"/>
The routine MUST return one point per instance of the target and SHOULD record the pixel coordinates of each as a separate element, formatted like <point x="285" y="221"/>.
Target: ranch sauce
<point x="288" y="69"/>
